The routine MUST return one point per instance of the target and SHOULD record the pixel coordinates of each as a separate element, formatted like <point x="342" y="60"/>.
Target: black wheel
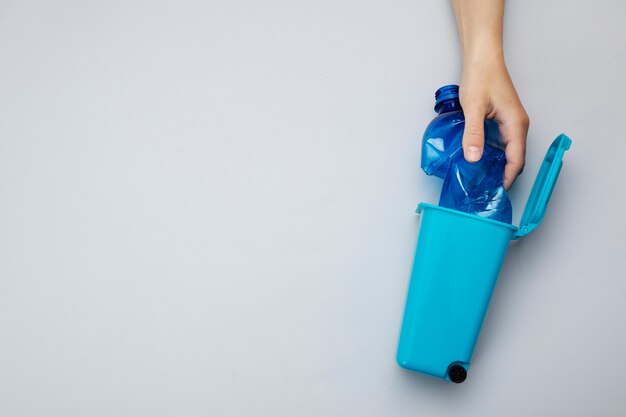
<point x="457" y="374"/>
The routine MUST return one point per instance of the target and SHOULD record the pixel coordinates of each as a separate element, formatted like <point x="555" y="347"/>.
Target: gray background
<point x="206" y="209"/>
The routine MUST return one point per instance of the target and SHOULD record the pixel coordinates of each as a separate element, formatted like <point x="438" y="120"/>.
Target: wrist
<point x="484" y="55"/>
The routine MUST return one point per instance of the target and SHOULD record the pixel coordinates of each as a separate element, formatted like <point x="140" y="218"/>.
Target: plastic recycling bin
<point x="456" y="266"/>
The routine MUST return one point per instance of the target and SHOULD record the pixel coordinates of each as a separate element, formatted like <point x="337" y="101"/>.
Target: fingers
<point x="514" y="162"/>
<point x="474" y="134"/>
<point x="515" y="135"/>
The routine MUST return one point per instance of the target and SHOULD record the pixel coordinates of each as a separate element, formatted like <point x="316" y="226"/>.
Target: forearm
<point x="480" y="29"/>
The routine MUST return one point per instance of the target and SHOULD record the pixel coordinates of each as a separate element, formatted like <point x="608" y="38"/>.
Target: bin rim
<point x="422" y="206"/>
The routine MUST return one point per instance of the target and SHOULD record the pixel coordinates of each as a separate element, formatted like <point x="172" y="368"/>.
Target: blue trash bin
<point x="456" y="266"/>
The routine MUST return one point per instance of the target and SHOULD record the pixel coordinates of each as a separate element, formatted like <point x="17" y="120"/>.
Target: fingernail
<point x="472" y="153"/>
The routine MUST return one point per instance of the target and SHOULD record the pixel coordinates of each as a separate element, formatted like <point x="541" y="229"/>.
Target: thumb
<point x="474" y="135"/>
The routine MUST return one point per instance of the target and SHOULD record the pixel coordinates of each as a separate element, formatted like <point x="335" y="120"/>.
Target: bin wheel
<point x="457" y="374"/>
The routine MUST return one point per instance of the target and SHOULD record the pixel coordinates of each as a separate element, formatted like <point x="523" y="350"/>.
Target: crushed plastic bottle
<point x="475" y="188"/>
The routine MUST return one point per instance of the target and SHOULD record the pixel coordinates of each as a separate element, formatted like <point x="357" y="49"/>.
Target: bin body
<point x="455" y="269"/>
<point x="457" y="261"/>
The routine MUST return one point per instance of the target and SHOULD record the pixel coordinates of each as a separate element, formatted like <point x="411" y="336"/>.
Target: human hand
<point x="486" y="91"/>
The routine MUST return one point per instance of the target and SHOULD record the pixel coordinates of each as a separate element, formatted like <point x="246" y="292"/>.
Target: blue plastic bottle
<point x="475" y="188"/>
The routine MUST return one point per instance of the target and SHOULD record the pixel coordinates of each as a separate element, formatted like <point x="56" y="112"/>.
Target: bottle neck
<point x="445" y="106"/>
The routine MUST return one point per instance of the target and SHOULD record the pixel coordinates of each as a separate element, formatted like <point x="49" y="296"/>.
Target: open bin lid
<point x="544" y="184"/>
